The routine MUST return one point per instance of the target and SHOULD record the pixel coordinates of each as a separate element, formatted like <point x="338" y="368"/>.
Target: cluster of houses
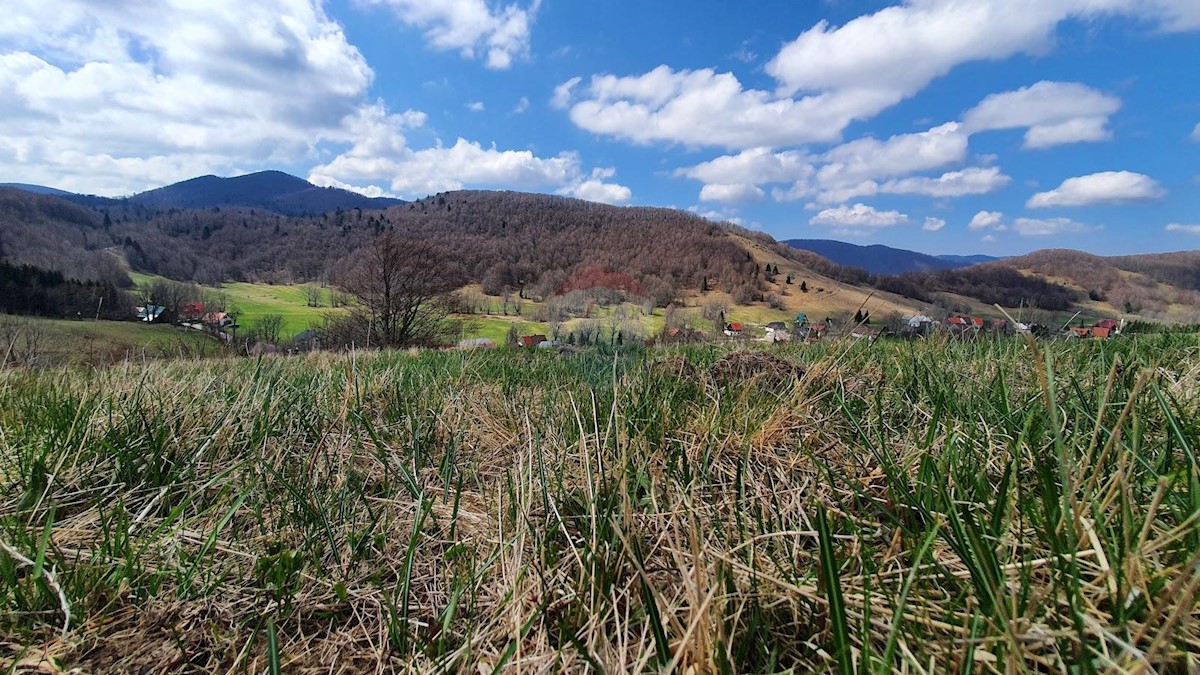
<point x="967" y="327"/>
<point x="778" y="331"/>
<point x="191" y="315"/>
<point x="1102" y="330"/>
<point x="919" y="326"/>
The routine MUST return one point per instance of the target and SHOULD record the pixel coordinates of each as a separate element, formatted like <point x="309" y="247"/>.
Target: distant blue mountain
<point x="880" y="259"/>
<point x="38" y="189"/>
<point x="964" y="260"/>
<point x="268" y="190"/>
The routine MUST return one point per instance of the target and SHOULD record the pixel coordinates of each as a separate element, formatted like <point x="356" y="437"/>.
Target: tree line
<point x="30" y="290"/>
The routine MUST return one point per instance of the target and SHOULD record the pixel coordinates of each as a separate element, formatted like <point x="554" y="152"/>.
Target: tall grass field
<point x="922" y="507"/>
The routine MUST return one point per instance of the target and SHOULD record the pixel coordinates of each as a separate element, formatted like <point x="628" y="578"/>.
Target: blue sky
<point x="946" y="126"/>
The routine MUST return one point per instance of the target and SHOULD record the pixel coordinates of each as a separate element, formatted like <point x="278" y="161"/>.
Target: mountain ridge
<point x="881" y="259"/>
<point x="272" y="190"/>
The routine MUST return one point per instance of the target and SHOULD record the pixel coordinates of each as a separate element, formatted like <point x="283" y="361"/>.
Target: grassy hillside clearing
<point x="919" y="507"/>
<point x="41" y="341"/>
<point x="253" y="301"/>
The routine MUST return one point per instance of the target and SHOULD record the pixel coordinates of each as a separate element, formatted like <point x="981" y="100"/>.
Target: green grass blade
<point x="831" y="579"/>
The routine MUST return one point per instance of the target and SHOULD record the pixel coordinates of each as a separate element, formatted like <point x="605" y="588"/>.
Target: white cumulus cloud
<point x="563" y="93"/>
<point x="703" y="108"/>
<point x="1054" y="113"/>
<point x="1047" y="226"/>
<point x="985" y="220"/>
<point x="472" y="27"/>
<point x="595" y="189"/>
<point x="933" y="224"/>
<point x="731" y="193"/>
<point x="756" y="166"/>
<point x="857" y="220"/>
<point x="1106" y="187"/>
<point x="857" y="169"/>
<point x="903" y="154"/>
<point x="1081" y="130"/>
<point x="475" y="106"/>
<point x="380" y="154"/>
<point x="971" y="181"/>
<point x="1180" y="227"/>
<point x="1196" y="133"/>
<point x="830" y="76"/>
<point x="111" y="98"/>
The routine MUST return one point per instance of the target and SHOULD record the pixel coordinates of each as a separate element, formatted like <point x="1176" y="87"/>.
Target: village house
<point x="919" y="326"/>
<point x="812" y="332"/>
<point x="476" y="343"/>
<point x="150" y="313"/>
<point x="192" y="311"/>
<point x="733" y="329"/>
<point x="307" y="340"/>
<point x="777" y="331"/>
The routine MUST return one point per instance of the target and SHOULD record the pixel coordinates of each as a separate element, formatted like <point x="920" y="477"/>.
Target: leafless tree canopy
<point x="403" y="288"/>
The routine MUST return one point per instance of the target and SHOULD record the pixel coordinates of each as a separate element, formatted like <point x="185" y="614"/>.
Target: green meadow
<point x="88" y="342"/>
<point x="921" y="507"/>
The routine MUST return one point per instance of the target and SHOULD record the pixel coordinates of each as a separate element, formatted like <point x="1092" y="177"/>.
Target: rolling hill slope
<point x="1158" y="286"/>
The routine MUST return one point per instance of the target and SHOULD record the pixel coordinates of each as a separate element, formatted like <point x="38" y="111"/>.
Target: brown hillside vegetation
<point x="526" y="243"/>
<point x="1164" y="287"/>
<point x="826" y="294"/>
<point x="533" y="244"/>
<point x="52" y="233"/>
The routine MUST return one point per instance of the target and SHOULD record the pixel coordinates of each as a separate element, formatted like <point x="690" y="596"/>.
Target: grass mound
<point x="747" y="366"/>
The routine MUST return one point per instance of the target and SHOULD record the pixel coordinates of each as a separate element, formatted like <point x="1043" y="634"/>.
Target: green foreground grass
<point x="915" y="507"/>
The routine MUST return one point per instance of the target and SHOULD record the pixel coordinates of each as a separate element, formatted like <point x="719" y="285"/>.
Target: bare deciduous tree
<point x="268" y="328"/>
<point x="404" y="288"/>
<point x="312" y="295"/>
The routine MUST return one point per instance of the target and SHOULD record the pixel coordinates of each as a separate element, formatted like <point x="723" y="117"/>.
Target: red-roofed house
<point x="532" y="340"/>
<point x="733" y="329"/>
<point x="192" y="311"/>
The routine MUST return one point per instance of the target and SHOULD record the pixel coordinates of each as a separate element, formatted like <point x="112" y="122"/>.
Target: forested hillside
<point x="1161" y="286"/>
<point x="55" y="234"/>
<point x="539" y="245"/>
<point x="500" y="239"/>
